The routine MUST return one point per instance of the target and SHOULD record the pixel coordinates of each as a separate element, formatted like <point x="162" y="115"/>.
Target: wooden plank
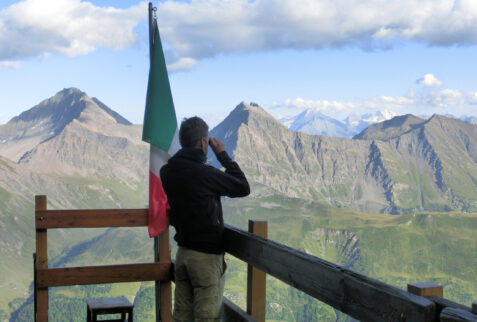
<point x="450" y="314"/>
<point x="34" y="286"/>
<point x="442" y="303"/>
<point x="257" y="279"/>
<point x="157" y="284"/>
<point x="426" y="289"/>
<point x="165" y="287"/>
<point x="41" y="263"/>
<point x="354" y="294"/>
<point x="91" y="218"/>
<point x="103" y="274"/>
<point x="233" y="313"/>
<point x="109" y="303"/>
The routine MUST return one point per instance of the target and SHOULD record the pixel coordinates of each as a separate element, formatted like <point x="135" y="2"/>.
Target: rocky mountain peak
<point x="65" y="106"/>
<point x="51" y="116"/>
<point x="389" y="129"/>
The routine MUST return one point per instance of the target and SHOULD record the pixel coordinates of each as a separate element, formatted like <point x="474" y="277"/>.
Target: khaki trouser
<point x="199" y="279"/>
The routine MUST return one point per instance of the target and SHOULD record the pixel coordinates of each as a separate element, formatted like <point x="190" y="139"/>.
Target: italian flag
<point x="160" y="130"/>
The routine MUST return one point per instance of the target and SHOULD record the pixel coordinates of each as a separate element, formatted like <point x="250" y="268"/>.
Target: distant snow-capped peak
<point x="378" y="116"/>
<point x="314" y="122"/>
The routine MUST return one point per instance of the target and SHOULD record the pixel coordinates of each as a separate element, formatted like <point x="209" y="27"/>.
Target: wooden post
<point x="41" y="263"/>
<point x="426" y="289"/>
<point x="256" y="279"/>
<point x="474" y="307"/>
<point x="34" y="287"/>
<point x="165" y="256"/>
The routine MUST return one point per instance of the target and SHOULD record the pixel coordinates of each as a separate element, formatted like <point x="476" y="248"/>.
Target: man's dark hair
<point x="192" y="130"/>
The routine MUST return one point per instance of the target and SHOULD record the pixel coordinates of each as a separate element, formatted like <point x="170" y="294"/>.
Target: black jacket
<point x="193" y="190"/>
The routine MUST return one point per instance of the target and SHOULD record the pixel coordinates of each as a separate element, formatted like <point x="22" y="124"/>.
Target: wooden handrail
<point x="90" y="218"/>
<point x="354" y="294"/>
<point x="86" y="275"/>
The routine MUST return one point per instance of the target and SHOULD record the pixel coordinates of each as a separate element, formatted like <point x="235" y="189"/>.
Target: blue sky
<point x="338" y="57"/>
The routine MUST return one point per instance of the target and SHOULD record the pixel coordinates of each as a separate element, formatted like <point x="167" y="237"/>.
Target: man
<point x="193" y="190"/>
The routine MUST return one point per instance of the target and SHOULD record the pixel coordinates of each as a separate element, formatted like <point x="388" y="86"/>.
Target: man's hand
<point x="216" y="145"/>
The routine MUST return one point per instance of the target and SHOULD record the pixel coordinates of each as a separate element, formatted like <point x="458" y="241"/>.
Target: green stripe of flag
<point x="160" y="122"/>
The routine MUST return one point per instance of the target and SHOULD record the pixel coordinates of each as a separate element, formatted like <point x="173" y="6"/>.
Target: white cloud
<point x="200" y="29"/>
<point x="321" y="105"/>
<point x="205" y="28"/>
<point x="388" y="102"/>
<point x="429" y="80"/>
<point x="445" y="98"/>
<point x="182" y="64"/>
<point x="8" y="64"/>
<point x="34" y="28"/>
<point x="472" y="97"/>
<point x="442" y="102"/>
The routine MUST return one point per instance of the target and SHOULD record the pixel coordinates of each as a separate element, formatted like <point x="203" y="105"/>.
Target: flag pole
<point x="152" y="22"/>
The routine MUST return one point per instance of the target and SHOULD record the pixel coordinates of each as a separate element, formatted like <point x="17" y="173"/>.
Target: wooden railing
<point x="357" y="295"/>
<point x="45" y="277"/>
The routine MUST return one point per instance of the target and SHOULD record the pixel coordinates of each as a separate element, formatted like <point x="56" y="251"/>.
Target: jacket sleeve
<point x="231" y="183"/>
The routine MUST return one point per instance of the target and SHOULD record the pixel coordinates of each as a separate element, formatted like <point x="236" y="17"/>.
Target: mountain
<point x="403" y="165"/>
<point x="469" y="119"/>
<point x="78" y="152"/>
<point x="48" y="119"/>
<point x="314" y="122"/>
<point x="357" y="123"/>
<point x="386" y="130"/>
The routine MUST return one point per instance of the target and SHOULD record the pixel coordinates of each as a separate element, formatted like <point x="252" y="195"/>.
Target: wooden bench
<point x="118" y="305"/>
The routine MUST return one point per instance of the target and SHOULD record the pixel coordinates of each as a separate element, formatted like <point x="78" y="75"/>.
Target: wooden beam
<point x="426" y="289"/>
<point x="165" y="285"/>
<point x="233" y="313"/>
<point x="442" y="303"/>
<point x="474" y="307"/>
<point x="103" y="274"/>
<point x="357" y="295"/>
<point x="257" y="279"/>
<point x="91" y="218"/>
<point x="41" y="263"/>
<point x="450" y="314"/>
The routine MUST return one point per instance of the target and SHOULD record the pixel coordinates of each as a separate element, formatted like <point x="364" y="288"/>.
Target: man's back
<point x="194" y="190"/>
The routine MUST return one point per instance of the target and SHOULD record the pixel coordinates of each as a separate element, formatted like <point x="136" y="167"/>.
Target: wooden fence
<point x="357" y="295"/>
<point x="99" y="218"/>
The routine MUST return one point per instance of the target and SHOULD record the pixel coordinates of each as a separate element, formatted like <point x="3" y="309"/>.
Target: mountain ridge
<point x="408" y="169"/>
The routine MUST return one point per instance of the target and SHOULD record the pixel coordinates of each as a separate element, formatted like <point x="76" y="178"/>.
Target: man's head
<point x="194" y="132"/>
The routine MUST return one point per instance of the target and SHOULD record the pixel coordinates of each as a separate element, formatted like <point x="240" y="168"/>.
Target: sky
<point x="338" y="57"/>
